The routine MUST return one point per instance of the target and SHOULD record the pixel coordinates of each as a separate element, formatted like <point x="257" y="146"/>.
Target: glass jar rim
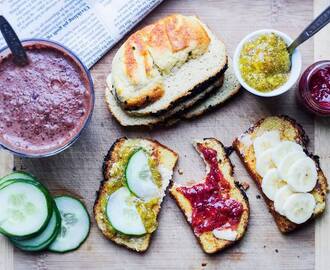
<point x="305" y="91"/>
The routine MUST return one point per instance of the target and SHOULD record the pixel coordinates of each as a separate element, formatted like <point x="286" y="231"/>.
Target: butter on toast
<point x="227" y="189"/>
<point x="115" y="177"/>
<point x="288" y="130"/>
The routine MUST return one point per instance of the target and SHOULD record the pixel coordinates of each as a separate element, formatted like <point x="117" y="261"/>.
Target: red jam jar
<point x="314" y="88"/>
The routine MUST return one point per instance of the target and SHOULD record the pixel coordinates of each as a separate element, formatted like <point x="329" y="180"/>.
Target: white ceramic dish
<point x="295" y="67"/>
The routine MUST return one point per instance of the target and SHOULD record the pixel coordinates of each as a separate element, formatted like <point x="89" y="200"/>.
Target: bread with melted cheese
<point x="209" y="243"/>
<point x="166" y="63"/>
<point x="166" y="160"/>
<point x="289" y="130"/>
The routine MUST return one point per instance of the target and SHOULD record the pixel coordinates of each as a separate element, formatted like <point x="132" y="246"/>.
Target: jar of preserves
<point x="314" y="88"/>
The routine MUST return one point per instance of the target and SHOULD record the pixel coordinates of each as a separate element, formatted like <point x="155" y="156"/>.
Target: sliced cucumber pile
<point x="17" y="175"/>
<point x="75" y="225"/>
<point x="34" y="221"/>
<point x="26" y="208"/>
<point x="122" y="213"/>
<point x="139" y="177"/>
<point x="45" y="238"/>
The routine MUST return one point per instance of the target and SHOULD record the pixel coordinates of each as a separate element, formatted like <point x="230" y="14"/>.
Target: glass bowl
<point x="89" y="85"/>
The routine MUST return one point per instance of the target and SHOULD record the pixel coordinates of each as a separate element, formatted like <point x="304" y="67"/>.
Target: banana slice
<point x="265" y="141"/>
<point x="302" y="175"/>
<point x="299" y="207"/>
<point x="284" y="148"/>
<point x="264" y="162"/>
<point x="271" y="183"/>
<point x="288" y="161"/>
<point x="280" y="198"/>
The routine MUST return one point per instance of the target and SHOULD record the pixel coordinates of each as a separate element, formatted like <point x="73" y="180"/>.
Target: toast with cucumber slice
<point x="217" y="208"/>
<point x="274" y="152"/>
<point x="136" y="175"/>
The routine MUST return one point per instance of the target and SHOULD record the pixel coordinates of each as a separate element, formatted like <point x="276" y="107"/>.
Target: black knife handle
<point x="13" y="42"/>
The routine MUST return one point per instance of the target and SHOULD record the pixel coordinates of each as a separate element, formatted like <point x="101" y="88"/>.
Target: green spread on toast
<point x="147" y="209"/>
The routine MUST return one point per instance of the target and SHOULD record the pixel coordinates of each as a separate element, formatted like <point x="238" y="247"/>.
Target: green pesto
<point x="265" y="62"/>
<point x="147" y="210"/>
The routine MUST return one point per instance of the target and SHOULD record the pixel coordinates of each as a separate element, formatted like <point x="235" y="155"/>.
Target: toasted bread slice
<point x="207" y="240"/>
<point x="229" y="88"/>
<point x="188" y="70"/>
<point x="289" y="130"/>
<point x="148" y="121"/>
<point x="113" y="172"/>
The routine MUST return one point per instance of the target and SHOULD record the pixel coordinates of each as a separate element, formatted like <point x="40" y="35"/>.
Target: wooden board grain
<point x="78" y="169"/>
<point x="6" y="249"/>
<point x="322" y="147"/>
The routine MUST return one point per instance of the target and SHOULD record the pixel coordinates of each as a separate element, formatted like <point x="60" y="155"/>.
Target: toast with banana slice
<point x="216" y="208"/>
<point x="136" y="175"/>
<point x="274" y="152"/>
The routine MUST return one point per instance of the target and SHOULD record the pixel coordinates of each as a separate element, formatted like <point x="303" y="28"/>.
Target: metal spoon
<point x="316" y="25"/>
<point x="13" y="42"/>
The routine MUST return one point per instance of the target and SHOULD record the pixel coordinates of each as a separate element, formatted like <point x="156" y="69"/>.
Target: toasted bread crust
<point x="197" y="89"/>
<point x="158" y="121"/>
<point x="216" y="99"/>
<point x="209" y="243"/>
<point x="139" y="244"/>
<point x="320" y="190"/>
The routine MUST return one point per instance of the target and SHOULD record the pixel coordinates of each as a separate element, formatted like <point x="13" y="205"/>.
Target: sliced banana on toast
<point x="136" y="175"/>
<point x="290" y="178"/>
<point x="216" y="208"/>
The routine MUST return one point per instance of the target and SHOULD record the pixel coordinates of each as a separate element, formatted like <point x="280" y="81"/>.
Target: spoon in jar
<point x="13" y="42"/>
<point x="316" y="25"/>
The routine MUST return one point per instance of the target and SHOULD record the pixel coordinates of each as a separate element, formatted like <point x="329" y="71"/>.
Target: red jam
<point x="320" y="86"/>
<point x="212" y="206"/>
<point x="314" y="88"/>
<point x="44" y="104"/>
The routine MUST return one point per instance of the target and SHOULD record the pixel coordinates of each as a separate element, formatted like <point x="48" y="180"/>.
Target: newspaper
<point x="87" y="27"/>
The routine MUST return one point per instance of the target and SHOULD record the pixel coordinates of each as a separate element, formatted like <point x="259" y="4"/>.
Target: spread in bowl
<point x="45" y="104"/>
<point x="263" y="65"/>
<point x="314" y="88"/>
<point x="265" y="62"/>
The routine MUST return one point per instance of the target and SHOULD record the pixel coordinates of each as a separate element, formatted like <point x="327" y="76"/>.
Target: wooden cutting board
<point x="78" y="169"/>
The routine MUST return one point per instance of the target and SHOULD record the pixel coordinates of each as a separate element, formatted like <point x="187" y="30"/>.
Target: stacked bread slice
<point x="175" y="68"/>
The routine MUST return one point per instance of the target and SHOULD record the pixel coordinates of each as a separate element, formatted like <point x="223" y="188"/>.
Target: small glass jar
<point x="314" y="88"/>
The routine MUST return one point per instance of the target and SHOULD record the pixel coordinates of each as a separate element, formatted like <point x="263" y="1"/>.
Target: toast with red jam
<point x="216" y="208"/>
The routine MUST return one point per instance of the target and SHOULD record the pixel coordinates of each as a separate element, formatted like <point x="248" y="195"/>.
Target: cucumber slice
<point x="139" y="178"/>
<point x="122" y="213"/>
<point x="17" y="175"/>
<point x="75" y="225"/>
<point x="45" y="238"/>
<point x="26" y="208"/>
